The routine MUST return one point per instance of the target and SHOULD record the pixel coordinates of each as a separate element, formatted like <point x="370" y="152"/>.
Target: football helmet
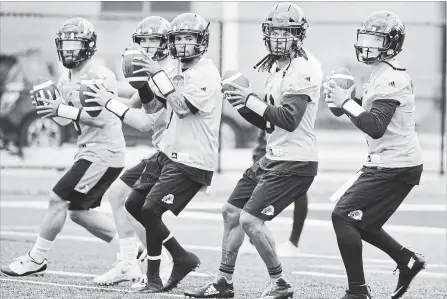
<point x="154" y="27"/>
<point x="189" y="23"/>
<point x="286" y="17"/>
<point x="380" y="38"/>
<point x="75" y="42"/>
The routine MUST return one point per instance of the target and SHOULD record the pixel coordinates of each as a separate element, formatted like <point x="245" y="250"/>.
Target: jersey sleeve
<point x="394" y="86"/>
<point x="202" y="87"/>
<point x="302" y="79"/>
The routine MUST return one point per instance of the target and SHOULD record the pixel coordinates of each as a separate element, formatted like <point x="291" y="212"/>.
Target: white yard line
<point x="18" y="234"/>
<point x="63" y="285"/>
<point x="370" y="271"/>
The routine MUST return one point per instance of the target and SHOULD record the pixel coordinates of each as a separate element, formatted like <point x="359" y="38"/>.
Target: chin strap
<point x="394" y="68"/>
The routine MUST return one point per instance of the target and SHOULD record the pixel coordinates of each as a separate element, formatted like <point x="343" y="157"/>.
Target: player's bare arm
<point x="181" y="106"/>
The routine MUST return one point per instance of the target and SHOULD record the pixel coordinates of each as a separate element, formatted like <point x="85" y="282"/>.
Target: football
<point x="41" y="88"/>
<point x="135" y="80"/>
<point x="345" y="80"/>
<point x="92" y="108"/>
<point x="236" y="78"/>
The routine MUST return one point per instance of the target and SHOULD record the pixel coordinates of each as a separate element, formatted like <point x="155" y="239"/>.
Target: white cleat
<point x="287" y="249"/>
<point x="141" y="283"/>
<point x="122" y="270"/>
<point x="25" y="265"/>
<point x="166" y="265"/>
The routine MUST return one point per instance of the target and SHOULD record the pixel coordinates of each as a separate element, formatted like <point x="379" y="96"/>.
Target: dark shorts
<point x="165" y="184"/>
<point x="131" y="175"/>
<point x="371" y="200"/>
<point x="85" y="183"/>
<point x="266" y="193"/>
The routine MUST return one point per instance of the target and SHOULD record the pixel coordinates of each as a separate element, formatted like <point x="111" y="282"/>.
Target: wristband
<point x="69" y="112"/>
<point x="163" y="83"/>
<point x="117" y="108"/>
<point x="146" y="94"/>
<point x="352" y="108"/>
<point x="255" y="104"/>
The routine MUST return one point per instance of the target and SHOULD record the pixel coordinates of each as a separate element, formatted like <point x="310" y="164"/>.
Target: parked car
<point x="19" y="122"/>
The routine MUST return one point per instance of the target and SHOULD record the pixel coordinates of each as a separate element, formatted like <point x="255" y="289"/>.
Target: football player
<point x="188" y="147"/>
<point x="290" y="247"/>
<point x="97" y="164"/>
<point x="288" y="114"/>
<point x="152" y="35"/>
<point x="394" y="164"/>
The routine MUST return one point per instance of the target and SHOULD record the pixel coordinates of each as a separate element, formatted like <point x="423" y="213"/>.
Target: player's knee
<point x="133" y="207"/>
<point x="57" y="202"/>
<point x="249" y="222"/>
<point x="118" y="193"/>
<point x="230" y="213"/>
<point x="76" y="216"/>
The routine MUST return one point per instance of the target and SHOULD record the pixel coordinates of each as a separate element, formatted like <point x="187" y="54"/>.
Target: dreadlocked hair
<point x="267" y="62"/>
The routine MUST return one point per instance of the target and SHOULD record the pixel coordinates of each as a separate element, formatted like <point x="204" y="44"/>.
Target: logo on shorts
<point x="168" y="199"/>
<point x="269" y="211"/>
<point x="84" y="189"/>
<point x="356" y="215"/>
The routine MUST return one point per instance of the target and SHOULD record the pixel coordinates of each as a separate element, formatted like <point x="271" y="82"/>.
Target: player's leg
<point x="173" y="191"/>
<point x="351" y="249"/>
<point x="96" y="222"/>
<point x="408" y="262"/>
<point x="118" y="193"/>
<point x="299" y="216"/>
<point x="264" y="205"/>
<point x="233" y="237"/>
<point x="35" y="261"/>
<point x="290" y="247"/>
<point x="365" y="206"/>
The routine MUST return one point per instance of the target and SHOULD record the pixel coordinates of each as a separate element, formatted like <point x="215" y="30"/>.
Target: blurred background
<point x="28" y="51"/>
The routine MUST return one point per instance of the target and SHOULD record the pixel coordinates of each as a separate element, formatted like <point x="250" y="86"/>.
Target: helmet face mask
<point x="189" y="37"/>
<point x="75" y="42"/>
<point x="380" y="38"/>
<point x="286" y="26"/>
<point x="148" y="32"/>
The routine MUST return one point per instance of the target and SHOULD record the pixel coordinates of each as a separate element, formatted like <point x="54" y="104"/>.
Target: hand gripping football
<point x="237" y="78"/>
<point x="45" y="88"/>
<point x="135" y="80"/>
<point x="92" y="108"/>
<point x="345" y="80"/>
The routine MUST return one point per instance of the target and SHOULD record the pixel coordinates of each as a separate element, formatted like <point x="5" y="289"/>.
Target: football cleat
<point x="407" y="273"/>
<point x="122" y="270"/>
<point x="153" y="285"/>
<point x="358" y="292"/>
<point x="25" y="265"/>
<point x="180" y="269"/>
<point x="287" y="249"/>
<point x="141" y="283"/>
<point x="278" y="289"/>
<point x="166" y="265"/>
<point x="219" y="288"/>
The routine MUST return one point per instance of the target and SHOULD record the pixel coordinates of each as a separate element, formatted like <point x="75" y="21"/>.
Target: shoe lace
<point x="22" y="259"/>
